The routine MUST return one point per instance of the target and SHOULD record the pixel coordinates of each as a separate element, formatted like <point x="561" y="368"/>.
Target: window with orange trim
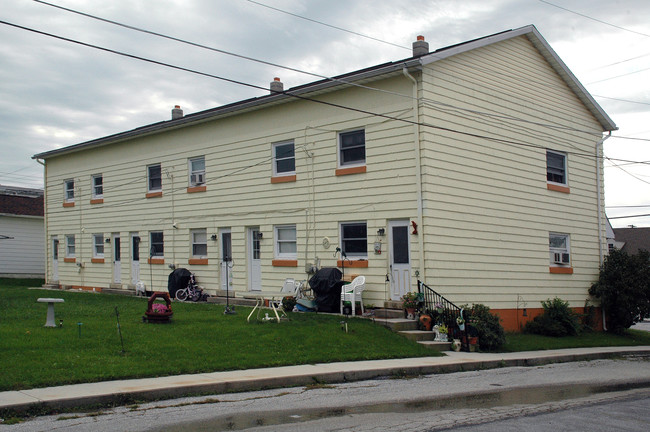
<point x="352" y="148"/>
<point x="556" y="170"/>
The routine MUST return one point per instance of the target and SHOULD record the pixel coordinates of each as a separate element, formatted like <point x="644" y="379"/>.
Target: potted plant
<point x="288" y="303"/>
<point x="158" y="312"/>
<point x="410" y="302"/>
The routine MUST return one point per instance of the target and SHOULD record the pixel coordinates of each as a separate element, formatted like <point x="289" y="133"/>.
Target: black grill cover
<point x="326" y="285"/>
<point x="178" y="279"/>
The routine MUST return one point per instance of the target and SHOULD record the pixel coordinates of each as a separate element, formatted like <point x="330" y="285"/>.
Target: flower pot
<point x="410" y="313"/>
<point x="426" y="322"/>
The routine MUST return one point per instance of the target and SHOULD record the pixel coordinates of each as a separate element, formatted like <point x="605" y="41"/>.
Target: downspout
<point x="47" y="245"/>
<point x="418" y="172"/>
<point x="601" y="252"/>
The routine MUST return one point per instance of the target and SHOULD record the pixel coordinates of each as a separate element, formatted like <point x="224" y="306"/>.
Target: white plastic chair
<point x="352" y="293"/>
<point x="290" y="286"/>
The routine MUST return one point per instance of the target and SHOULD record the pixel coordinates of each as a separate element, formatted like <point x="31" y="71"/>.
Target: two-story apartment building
<point x="475" y="168"/>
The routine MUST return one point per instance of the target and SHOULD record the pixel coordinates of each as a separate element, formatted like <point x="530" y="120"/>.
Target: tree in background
<point x="623" y="288"/>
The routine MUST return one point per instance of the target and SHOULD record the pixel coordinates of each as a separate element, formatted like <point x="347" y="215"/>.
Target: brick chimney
<point x="420" y="47"/>
<point x="277" y="86"/>
<point x="177" y="112"/>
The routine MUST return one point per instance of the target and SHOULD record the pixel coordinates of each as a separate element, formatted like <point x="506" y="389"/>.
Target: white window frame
<point x="68" y="190"/>
<point x="151" y="244"/>
<point x="344" y="239"/>
<point x="279" y="243"/>
<point x="276" y="159"/>
<point x="196" y="240"/>
<point x="98" y="245"/>
<point x="70" y="247"/>
<point x="564" y="168"/>
<point x="196" y="176"/>
<point x="341" y="135"/>
<point x="149" y="188"/>
<point x="94" y="179"/>
<point x="566" y="249"/>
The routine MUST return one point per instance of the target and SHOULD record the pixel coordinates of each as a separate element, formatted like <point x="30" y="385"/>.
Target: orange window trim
<point x="284" y="263"/>
<point x="156" y="260"/>
<point x="561" y="270"/>
<point x="154" y="194"/>
<point x="70" y="260"/>
<point x="194" y="189"/>
<point x="97" y="201"/>
<point x="97" y="260"/>
<point x="558" y="188"/>
<point x="283" y="179"/>
<point x="353" y="264"/>
<point x="198" y="261"/>
<point x="68" y="204"/>
<point x="351" y="170"/>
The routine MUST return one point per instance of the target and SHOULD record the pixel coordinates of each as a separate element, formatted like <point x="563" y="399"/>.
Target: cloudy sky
<point x="56" y="93"/>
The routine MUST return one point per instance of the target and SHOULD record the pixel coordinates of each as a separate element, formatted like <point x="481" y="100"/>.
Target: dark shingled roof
<point x="634" y="238"/>
<point x="21" y="205"/>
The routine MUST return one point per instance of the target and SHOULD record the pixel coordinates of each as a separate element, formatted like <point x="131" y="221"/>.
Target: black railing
<point x="442" y="311"/>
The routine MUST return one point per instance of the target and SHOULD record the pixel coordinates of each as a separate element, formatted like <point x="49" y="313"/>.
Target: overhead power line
<point x="627" y="217"/>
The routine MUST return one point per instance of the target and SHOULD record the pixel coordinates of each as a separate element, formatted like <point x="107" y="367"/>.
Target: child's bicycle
<point x="192" y="292"/>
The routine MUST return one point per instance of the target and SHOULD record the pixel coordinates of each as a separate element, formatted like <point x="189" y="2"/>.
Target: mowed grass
<point x="516" y="342"/>
<point x="200" y="339"/>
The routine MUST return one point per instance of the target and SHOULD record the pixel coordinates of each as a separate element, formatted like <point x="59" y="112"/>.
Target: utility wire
<point x="627" y="217"/>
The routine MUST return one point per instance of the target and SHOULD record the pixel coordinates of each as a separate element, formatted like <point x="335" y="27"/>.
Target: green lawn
<point x="200" y="339"/>
<point x="530" y="342"/>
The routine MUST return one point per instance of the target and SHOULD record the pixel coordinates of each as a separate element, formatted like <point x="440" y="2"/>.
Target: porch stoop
<point x="220" y="298"/>
<point x="409" y="329"/>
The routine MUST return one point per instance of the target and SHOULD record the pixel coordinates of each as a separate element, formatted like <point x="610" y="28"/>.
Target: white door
<point x="226" y="259"/>
<point x="400" y="259"/>
<point x="135" y="258"/>
<point x="117" y="259"/>
<point x="55" y="259"/>
<point x="254" y="260"/>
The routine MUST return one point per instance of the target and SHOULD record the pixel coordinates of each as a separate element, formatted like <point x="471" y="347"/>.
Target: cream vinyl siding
<point x="489" y="215"/>
<point x="22" y="255"/>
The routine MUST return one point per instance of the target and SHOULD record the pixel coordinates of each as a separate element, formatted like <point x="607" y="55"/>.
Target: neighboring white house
<point x="22" y="234"/>
<point x="476" y="168"/>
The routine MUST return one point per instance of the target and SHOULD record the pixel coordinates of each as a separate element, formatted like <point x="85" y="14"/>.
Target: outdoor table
<point x="259" y="301"/>
<point x="49" y="322"/>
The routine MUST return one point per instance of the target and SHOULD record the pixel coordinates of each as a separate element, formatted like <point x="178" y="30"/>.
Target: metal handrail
<point x="441" y="309"/>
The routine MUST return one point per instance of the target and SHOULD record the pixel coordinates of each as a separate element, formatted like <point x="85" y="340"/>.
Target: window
<point x="154" y="178"/>
<point x="69" y="246"/>
<point x="559" y="250"/>
<point x="556" y="167"/>
<point x="285" y="241"/>
<point x="98" y="186"/>
<point x="284" y="159"/>
<point x="69" y="190"/>
<point x="352" y="148"/>
<point x="157" y="247"/>
<point x="197" y="171"/>
<point x="98" y="245"/>
<point x="354" y="239"/>
<point x="199" y="238"/>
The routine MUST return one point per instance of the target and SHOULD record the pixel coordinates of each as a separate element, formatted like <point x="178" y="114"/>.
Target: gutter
<point x="45" y="231"/>
<point x="601" y="252"/>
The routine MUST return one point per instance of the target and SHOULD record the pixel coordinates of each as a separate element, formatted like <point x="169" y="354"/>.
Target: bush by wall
<point x="491" y="335"/>
<point x="557" y="320"/>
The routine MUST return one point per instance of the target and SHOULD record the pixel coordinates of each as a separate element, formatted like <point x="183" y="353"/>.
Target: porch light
<point x="107" y="240"/>
<point x="213" y="237"/>
<point x="381" y="232"/>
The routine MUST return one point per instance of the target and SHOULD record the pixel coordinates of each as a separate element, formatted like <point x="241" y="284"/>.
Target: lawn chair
<point x="352" y="293"/>
<point x="290" y="287"/>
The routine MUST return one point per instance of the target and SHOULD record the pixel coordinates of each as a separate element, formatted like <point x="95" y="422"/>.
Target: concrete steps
<point x="409" y="329"/>
<point x="389" y="313"/>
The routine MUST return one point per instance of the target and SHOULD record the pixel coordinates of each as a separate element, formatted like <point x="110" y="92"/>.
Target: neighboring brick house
<point x="475" y="168"/>
<point x="22" y="234"/>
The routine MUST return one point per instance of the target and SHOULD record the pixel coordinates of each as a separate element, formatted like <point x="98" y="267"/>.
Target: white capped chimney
<point x="277" y="86"/>
<point x="177" y="112"/>
<point x="420" y="47"/>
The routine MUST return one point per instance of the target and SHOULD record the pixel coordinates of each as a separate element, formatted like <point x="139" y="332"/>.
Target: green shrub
<point x="557" y="320"/>
<point x="623" y="288"/>
<point x="491" y="335"/>
<point x="288" y="303"/>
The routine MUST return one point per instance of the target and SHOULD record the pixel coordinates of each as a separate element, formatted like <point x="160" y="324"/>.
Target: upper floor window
<point x="556" y="171"/>
<point x="157" y="245"/>
<point x="352" y="148"/>
<point x="354" y="239"/>
<point x="199" y="238"/>
<point x="285" y="241"/>
<point x="69" y="246"/>
<point x="98" y="245"/>
<point x="559" y="249"/>
<point x="154" y="178"/>
<point x="284" y="159"/>
<point x="98" y="186"/>
<point x="197" y="171"/>
<point x="68" y="186"/>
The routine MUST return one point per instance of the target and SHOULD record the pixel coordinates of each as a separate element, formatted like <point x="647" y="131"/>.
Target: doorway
<point x="117" y="259"/>
<point x="254" y="259"/>
<point x="399" y="259"/>
<point x="135" y="258"/>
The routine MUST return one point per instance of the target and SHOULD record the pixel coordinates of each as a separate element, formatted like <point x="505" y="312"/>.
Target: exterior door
<point x="226" y="259"/>
<point x="135" y="258"/>
<point x="400" y="258"/>
<point x="117" y="259"/>
<point x="55" y="259"/>
<point x="254" y="260"/>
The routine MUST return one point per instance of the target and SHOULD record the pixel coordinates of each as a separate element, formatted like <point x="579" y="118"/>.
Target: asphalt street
<point x="422" y="403"/>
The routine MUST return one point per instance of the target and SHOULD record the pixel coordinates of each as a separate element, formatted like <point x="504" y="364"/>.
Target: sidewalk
<point x="126" y="391"/>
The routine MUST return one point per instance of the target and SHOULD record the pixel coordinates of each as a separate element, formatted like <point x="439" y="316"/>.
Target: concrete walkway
<point x="127" y="391"/>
